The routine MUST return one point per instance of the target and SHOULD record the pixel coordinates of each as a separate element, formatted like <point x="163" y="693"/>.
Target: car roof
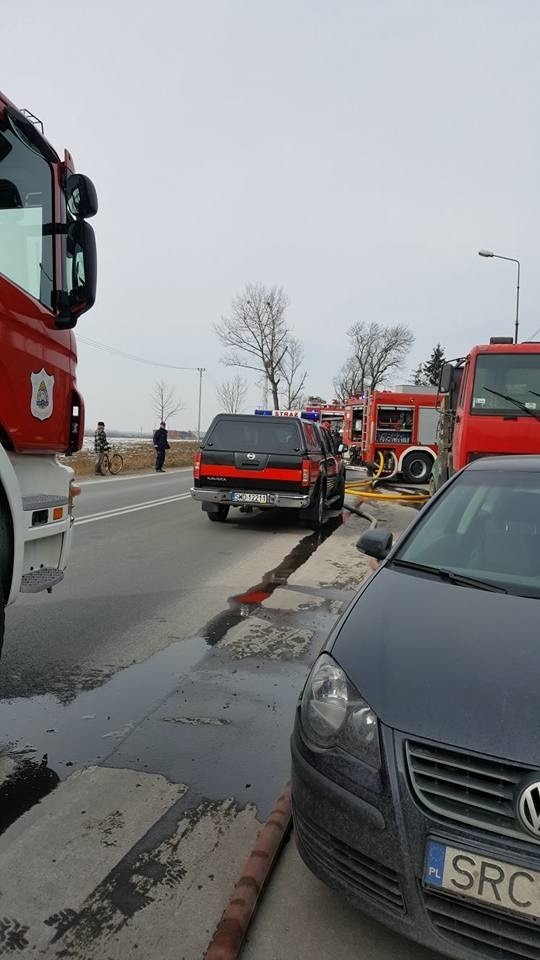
<point x="259" y="418"/>
<point x="507" y="463"/>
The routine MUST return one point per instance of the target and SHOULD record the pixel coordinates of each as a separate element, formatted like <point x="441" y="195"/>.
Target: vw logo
<point x="529" y="808"/>
<point x="251" y="456"/>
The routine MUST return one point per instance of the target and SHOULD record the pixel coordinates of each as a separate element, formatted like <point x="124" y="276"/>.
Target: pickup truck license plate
<point x="493" y="882"/>
<point x="240" y="497"/>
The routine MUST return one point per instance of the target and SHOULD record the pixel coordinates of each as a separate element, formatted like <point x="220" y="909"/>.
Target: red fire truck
<point x="332" y="413"/>
<point x="399" y="432"/>
<point x="491" y="405"/>
<point x="47" y="280"/>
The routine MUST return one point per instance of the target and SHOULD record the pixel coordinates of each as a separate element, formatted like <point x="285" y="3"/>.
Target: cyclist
<point x="101" y="444"/>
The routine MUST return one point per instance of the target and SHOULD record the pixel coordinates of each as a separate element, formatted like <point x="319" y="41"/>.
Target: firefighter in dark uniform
<point x="161" y="445"/>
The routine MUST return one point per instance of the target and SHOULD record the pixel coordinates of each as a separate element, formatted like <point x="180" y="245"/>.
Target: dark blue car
<point x="416" y="748"/>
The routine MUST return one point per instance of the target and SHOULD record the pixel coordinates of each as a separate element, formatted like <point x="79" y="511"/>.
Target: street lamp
<point x="489" y="253"/>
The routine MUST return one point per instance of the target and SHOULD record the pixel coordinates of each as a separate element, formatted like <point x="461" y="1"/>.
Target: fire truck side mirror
<point x="81" y="279"/>
<point x="81" y="196"/>
<point x="446" y="378"/>
<point x="376" y="543"/>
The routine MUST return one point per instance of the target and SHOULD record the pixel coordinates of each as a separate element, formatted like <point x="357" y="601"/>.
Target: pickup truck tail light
<point x="306" y="470"/>
<point x="197" y="465"/>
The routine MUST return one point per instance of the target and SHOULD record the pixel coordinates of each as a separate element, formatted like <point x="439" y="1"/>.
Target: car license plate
<point x="493" y="882"/>
<point x="239" y="497"/>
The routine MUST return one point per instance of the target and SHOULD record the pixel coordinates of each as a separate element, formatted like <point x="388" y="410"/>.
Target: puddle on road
<point x="244" y="604"/>
<point x="27" y="785"/>
<point x="88" y="729"/>
<point x="50" y="739"/>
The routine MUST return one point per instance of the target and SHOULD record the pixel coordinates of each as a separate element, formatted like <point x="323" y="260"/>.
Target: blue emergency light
<point x="304" y="414"/>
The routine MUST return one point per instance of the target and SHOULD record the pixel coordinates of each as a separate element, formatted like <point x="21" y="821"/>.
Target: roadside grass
<point x="137" y="456"/>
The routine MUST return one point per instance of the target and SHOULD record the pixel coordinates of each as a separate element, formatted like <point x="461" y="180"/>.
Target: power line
<point x="130" y="356"/>
<point x="152" y="363"/>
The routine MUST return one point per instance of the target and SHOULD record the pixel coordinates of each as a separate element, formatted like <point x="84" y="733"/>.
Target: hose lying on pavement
<point x="366" y="488"/>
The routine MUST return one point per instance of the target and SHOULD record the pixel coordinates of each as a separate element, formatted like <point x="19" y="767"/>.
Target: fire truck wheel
<point x="417" y="467"/>
<point x="219" y="515"/>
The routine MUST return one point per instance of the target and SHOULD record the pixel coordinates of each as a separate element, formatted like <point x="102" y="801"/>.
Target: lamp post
<point x="489" y="253"/>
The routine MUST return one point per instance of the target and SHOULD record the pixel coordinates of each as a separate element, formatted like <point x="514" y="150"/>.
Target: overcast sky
<point x="356" y="153"/>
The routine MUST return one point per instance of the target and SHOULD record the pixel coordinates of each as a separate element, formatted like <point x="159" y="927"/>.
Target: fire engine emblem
<point x="41" y="401"/>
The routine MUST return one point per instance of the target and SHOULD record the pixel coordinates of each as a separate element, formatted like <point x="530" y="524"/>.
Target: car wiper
<point x="517" y="403"/>
<point x="450" y="576"/>
<point x="534" y="393"/>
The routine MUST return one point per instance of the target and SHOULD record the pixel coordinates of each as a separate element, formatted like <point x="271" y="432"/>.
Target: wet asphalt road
<point x="119" y="666"/>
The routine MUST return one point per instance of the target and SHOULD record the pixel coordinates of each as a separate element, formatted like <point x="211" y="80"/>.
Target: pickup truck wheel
<point x="417" y="467"/>
<point x="219" y="515"/>
<point x="2" y="617"/>
<point x="315" y="513"/>
<point x="340" y="500"/>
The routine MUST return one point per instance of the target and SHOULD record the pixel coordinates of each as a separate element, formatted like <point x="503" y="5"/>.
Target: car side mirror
<point x="81" y="278"/>
<point x="81" y="196"/>
<point x="376" y="543"/>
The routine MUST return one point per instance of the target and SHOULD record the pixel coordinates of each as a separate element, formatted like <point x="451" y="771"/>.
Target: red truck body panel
<point x="393" y="422"/>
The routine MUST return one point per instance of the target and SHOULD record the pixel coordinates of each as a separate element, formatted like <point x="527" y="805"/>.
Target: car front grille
<point x="477" y="790"/>
<point x="359" y="873"/>
<point x="487" y="932"/>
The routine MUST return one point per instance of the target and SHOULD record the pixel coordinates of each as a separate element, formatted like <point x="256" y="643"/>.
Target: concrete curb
<point x="233" y="926"/>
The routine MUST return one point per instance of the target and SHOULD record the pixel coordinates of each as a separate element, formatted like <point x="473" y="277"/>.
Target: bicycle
<point x="111" y="462"/>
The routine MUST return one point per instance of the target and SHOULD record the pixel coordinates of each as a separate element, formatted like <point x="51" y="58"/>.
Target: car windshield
<point x="506" y="384"/>
<point x="267" y="435"/>
<point x="486" y="526"/>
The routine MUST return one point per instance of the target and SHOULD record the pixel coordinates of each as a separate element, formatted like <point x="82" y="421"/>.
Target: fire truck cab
<point x="47" y="280"/>
<point x="490" y="405"/>
<point x="399" y="436"/>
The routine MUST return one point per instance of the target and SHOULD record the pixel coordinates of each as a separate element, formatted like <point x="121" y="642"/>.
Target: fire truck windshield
<point x="506" y="384"/>
<point x="26" y="203"/>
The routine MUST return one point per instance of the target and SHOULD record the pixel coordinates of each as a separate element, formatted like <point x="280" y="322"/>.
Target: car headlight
<point x="334" y="714"/>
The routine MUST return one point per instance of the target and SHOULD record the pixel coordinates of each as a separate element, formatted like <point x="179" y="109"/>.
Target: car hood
<point x="446" y="662"/>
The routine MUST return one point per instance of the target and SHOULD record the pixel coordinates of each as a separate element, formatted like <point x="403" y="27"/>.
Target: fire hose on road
<point x="367" y="488"/>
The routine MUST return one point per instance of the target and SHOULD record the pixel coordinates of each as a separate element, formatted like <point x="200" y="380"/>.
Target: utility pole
<point x="201" y="371"/>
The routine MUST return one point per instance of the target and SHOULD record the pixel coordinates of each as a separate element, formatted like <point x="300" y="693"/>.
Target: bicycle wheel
<point x="104" y="465"/>
<point x="116" y="463"/>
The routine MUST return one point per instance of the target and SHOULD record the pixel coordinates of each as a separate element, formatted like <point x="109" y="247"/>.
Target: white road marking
<point x="132" y="508"/>
<point x="140" y="476"/>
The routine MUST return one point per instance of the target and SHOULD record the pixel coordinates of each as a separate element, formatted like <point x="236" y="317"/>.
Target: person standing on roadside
<point x="161" y="445"/>
<point x="101" y="444"/>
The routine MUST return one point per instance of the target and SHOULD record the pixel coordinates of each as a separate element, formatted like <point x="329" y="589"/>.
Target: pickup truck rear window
<point x="264" y="436"/>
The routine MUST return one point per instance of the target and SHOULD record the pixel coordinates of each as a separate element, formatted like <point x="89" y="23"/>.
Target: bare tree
<point x="232" y="394"/>
<point x="256" y="333"/>
<point x="293" y="377"/>
<point x="165" y="403"/>
<point x="377" y="351"/>
<point x="348" y="382"/>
